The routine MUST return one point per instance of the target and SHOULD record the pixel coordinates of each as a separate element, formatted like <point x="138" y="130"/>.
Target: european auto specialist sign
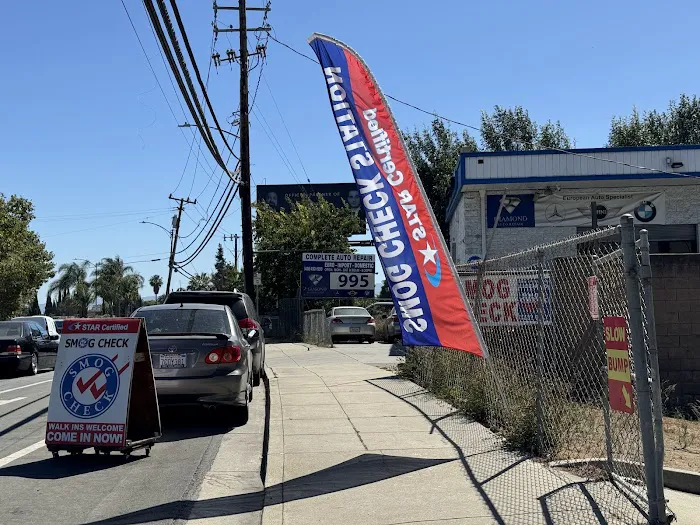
<point x="510" y="299"/>
<point x="90" y="395"/>
<point x="337" y="275"/>
<point x="619" y="376"/>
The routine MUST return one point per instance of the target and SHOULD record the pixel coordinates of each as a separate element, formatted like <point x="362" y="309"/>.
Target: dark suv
<point x="243" y="308"/>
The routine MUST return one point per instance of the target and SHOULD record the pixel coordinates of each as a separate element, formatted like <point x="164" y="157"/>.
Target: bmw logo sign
<point x="645" y="212"/>
<point x="89" y="386"/>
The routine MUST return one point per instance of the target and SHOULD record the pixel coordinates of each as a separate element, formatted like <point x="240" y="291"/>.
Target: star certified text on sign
<point x="619" y="377"/>
<point x="337" y="275"/>
<point x="431" y="305"/>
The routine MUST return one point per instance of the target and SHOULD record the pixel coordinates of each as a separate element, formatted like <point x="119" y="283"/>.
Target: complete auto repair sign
<point x="92" y="382"/>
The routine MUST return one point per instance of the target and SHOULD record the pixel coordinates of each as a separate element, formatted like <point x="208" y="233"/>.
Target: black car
<point x="26" y="347"/>
<point x="247" y="316"/>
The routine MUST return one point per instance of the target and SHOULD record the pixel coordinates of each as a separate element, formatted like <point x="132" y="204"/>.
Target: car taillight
<point x="228" y="354"/>
<point x="370" y="320"/>
<point x="337" y="320"/>
<point x="247" y="324"/>
<point x="15" y="349"/>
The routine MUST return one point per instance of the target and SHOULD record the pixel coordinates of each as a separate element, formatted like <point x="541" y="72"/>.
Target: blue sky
<point x="88" y="136"/>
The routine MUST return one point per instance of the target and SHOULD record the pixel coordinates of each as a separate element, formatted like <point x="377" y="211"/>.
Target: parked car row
<point x="207" y="348"/>
<point x="376" y="322"/>
<point x="28" y="344"/>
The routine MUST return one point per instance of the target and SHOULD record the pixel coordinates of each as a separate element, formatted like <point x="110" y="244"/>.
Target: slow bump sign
<point x="619" y="376"/>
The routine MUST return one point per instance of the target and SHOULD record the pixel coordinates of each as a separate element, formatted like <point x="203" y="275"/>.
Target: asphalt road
<point x="36" y="488"/>
<point x="111" y="490"/>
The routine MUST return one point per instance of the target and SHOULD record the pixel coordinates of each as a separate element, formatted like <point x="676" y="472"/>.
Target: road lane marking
<point x="8" y="401"/>
<point x="20" y="453"/>
<point x="24" y="386"/>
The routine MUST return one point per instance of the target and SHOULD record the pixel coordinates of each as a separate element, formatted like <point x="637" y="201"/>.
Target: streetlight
<point x="170" y="233"/>
<point x="188" y="125"/>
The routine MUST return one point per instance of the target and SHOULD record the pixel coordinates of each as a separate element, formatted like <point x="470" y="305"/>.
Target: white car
<point x="47" y="323"/>
<point x="351" y="322"/>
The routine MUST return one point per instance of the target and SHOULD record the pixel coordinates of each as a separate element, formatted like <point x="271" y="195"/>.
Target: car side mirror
<point x="54" y="337"/>
<point x="252" y="335"/>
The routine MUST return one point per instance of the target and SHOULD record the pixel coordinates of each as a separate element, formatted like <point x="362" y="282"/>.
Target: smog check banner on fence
<point x="426" y="290"/>
<point x="92" y="383"/>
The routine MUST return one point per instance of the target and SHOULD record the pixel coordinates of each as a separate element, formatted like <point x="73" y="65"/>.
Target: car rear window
<point x="234" y="302"/>
<point x="185" y="321"/>
<point x="59" y="326"/>
<point x="351" y="311"/>
<point x="9" y="329"/>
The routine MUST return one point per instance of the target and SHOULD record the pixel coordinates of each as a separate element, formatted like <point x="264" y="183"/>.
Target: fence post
<point x="657" y="405"/>
<point x="604" y="373"/>
<point x="539" y="356"/>
<point x="636" y="328"/>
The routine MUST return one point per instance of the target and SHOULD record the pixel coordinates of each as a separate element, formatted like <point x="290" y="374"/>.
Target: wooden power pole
<point x="173" y="248"/>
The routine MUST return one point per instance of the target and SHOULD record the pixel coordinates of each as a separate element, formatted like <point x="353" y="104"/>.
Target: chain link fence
<point x="542" y="391"/>
<point x="317" y="331"/>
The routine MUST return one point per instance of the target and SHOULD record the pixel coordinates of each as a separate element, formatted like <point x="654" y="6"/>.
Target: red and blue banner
<point x="425" y="287"/>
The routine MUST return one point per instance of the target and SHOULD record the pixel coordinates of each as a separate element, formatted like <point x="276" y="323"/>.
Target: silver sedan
<point x="351" y="322"/>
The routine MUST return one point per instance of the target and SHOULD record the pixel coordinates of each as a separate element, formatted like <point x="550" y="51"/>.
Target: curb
<point x="675" y="479"/>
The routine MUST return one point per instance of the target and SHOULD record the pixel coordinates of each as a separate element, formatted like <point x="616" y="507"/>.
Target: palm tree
<point x="156" y="281"/>
<point x="200" y="281"/>
<point x="117" y="283"/>
<point x="73" y="279"/>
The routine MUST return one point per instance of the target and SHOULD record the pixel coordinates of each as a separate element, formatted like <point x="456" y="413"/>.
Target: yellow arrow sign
<point x="626" y="395"/>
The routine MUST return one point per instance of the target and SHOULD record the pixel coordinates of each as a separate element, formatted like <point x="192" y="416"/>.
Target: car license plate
<point x="173" y="360"/>
<point x="354" y="328"/>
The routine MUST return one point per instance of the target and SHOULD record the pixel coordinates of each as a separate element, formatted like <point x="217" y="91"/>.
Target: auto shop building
<point x="548" y="196"/>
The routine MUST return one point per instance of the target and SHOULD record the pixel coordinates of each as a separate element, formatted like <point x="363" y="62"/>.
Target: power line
<point x="275" y="143"/>
<point x="515" y="139"/>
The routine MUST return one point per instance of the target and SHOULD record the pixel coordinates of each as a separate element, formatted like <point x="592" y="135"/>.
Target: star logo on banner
<point x="428" y="254"/>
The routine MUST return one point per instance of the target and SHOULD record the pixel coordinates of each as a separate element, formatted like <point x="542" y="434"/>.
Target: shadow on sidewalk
<point x="362" y="470"/>
<point x="517" y="489"/>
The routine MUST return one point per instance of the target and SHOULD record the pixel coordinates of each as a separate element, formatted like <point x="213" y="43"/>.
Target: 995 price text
<point x="344" y="281"/>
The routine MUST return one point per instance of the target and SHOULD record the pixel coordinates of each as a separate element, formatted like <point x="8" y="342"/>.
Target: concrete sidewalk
<point x="351" y="443"/>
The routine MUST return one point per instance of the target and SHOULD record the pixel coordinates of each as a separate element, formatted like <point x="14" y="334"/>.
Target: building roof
<point x="482" y="169"/>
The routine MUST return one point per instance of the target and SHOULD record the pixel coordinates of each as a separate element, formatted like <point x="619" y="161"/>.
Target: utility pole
<point x="176" y="226"/>
<point x="244" y="190"/>
<point x="234" y="238"/>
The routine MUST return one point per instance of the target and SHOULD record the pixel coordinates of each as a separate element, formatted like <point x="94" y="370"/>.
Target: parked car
<point x="380" y="308"/>
<point x="247" y="316"/>
<point x="393" y="327"/>
<point x="200" y="356"/>
<point x="47" y="323"/>
<point x="26" y="347"/>
<point x="351" y="322"/>
<point x="59" y="325"/>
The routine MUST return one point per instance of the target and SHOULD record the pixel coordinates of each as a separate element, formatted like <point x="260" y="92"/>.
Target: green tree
<point x="281" y="238"/>
<point x="435" y="152"/>
<point x="219" y="276"/>
<point x="513" y="130"/>
<point x="156" y="281"/>
<point x="679" y="124"/>
<point x="25" y="264"/>
<point x="33" y="308"/>
<point x="48" y="307"/>
<point x="118" y="285"/>
<point x="200" y="281"/>
<point x="72" y="283"/>
<point x="385" y="293"/>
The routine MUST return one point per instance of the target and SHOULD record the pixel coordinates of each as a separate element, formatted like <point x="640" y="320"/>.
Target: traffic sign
<point x="619" y="377"/>
<point x="257" y="279"/>
<point x="337" y="275"/>
<point x="101" y="365"/>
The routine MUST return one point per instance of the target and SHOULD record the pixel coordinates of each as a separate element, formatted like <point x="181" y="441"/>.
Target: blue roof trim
<point x="585" y="150"/>
<point x="458" y="179"/>
<point x="630" y="176"/>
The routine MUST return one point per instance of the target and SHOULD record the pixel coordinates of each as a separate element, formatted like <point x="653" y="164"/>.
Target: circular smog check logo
<point x="89" y="386"/>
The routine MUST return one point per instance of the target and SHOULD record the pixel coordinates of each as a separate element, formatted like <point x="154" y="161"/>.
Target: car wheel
<point x="34" y="366"/>
<point x="370" y="340"/>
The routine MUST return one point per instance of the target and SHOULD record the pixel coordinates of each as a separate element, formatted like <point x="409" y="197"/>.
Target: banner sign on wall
<point x="511" y="299"/>
<point x="574" y="209"/>
<point x="424" y="284"/>
<point x="278" y="196"/>
<point x="337" y="275"/>
<point x="531" y="210"/>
